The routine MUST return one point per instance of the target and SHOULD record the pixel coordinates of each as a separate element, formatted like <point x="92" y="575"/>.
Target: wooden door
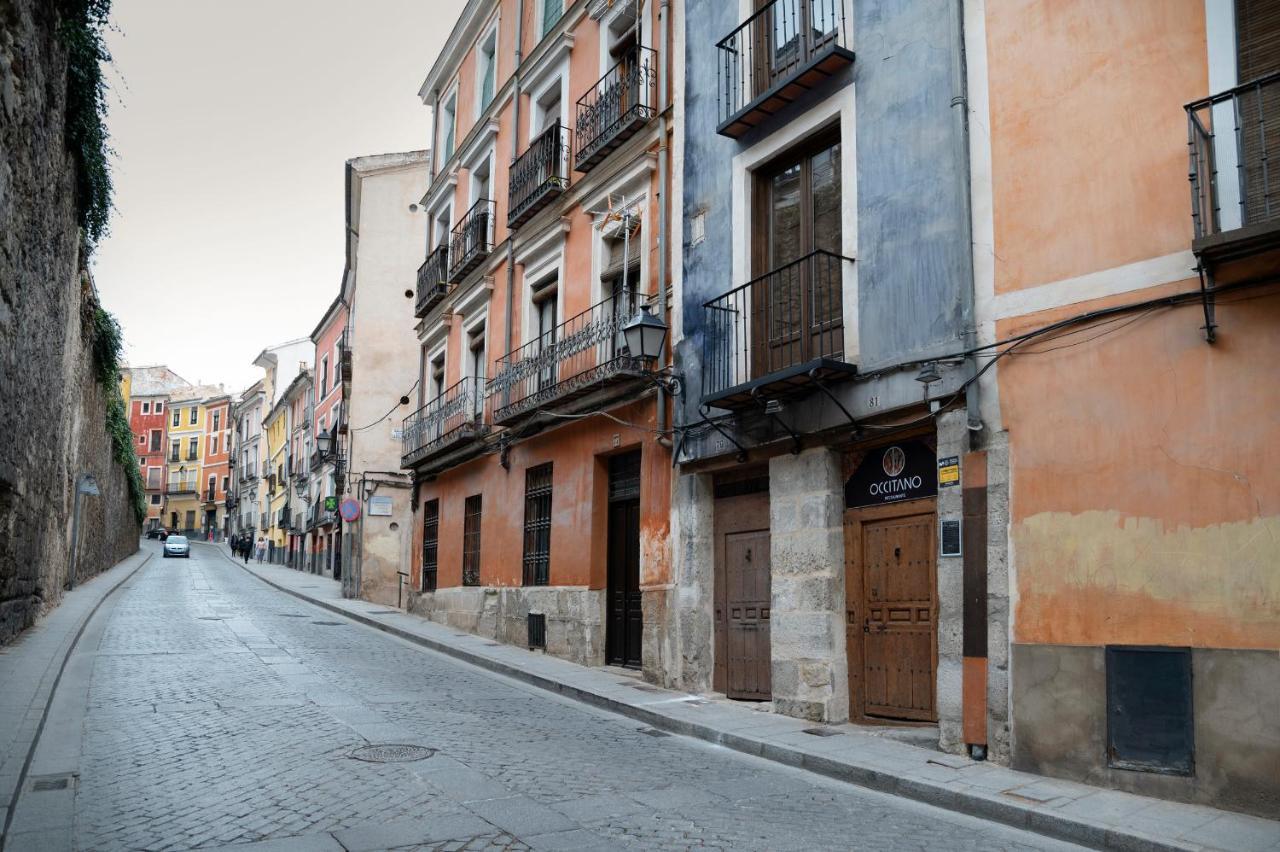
<point x="624" y="627"/>
<point x="899" y="617"/>
<point x="742" y="587"/>
<point x="796" y="295"/>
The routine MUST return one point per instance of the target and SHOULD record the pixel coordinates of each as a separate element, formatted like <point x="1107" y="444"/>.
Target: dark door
<point x="747" y="614"/>
<point x="786" y="34"/>
<point x="336" y="545"/>
<point x="796" y="294"/>
<point x="900" y="622"/>
<point x="625" y="626"/>
<point x="742" y="586"/>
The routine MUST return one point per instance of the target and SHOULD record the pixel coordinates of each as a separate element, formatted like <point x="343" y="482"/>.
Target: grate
<point x="46" y="783"/>
<point x="293" y="615"/>
<point x="383" y="612"/>
<point x="537" y="630"/>
<point x="391" y="753"/>
<point x="329" y="623"/>
<point x="822" y="732"/>
<point x="213" y="618"/>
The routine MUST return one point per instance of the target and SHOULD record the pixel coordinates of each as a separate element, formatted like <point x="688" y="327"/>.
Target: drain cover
<point x="392" y="753"/>
<point x="329" y="623"/>
<point x="821" y="732"/>
<point x="212" y="618"/>
<point x="45" y="783"/>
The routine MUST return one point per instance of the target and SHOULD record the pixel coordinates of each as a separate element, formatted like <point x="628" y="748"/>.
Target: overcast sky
<point x="231" y="121"/>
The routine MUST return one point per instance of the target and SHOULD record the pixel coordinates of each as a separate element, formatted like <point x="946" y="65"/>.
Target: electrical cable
<point x="389" y="413"/>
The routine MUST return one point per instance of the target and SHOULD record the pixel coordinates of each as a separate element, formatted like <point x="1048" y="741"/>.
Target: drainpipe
<point x="960" y="115"/>
<point x="515" y="152"/>
<point x="664" y="152"/>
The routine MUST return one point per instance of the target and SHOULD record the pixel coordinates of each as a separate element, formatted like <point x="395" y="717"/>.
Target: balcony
<point x="777" y="55"/>
<point x="471" y="240"/>
<point x="1235" y="210"/>
<point x="773" y="336"/>
<point x="558" y="370"/>
<point x="617" y="106"/>
<point x="344" y="357"/>
<point x="455" y="418"/>
<point x="283" y="518"/>
<point x="539" y="175"/>
<point x="433" y="281"/>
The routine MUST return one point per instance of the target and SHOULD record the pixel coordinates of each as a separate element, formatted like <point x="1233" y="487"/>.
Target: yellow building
<point x="276" y="478"/>
<point x="188" y="443"/>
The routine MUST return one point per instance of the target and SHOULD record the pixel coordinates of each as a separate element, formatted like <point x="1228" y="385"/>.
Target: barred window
<point x="471" y="541"/>
<point x="537" y="525"/>
<point x="430" y="544"/>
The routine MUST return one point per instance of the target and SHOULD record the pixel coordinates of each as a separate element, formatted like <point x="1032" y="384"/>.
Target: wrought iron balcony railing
<point x="580" y="354"/>
<point x="779" y="53"/>
<point x="772" y="332"/>
<point x="344" y="356"/>
<point x="471" y="240"/>
<point x="1232" y="137"/>
<point x="456" y="415"/>
<point x="539" y="175"/>
<point x="433" y="280"/>
<point x="616" y="107"/>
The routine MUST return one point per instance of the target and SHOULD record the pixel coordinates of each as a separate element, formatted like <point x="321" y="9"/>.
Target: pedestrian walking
<point x="262" y="549"/>
<point x="244" y="549"/>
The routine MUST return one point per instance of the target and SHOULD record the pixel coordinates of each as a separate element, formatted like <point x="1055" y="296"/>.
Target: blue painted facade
<point x="913" y="258"/>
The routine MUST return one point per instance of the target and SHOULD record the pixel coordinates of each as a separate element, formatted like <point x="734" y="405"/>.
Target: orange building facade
<point x="1144" y="491"/>
<point x="540" y="448"/>
<point x="215" y="468"/>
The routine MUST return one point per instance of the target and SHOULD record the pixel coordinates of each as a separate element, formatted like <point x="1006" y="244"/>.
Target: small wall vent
<point x="537" y="630"/>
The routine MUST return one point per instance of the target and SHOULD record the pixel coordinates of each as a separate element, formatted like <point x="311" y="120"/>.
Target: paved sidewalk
<point x="1076" y="812"/>
<point x="31" y="667"/>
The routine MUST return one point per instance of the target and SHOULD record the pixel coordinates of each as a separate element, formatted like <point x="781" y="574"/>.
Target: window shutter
<point x="1257" y="38"/>
<point x="551" y="11"/>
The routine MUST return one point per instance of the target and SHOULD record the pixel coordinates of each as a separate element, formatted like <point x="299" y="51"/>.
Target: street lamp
<point x="645" y="335"/>
<point x="85" y="484"/>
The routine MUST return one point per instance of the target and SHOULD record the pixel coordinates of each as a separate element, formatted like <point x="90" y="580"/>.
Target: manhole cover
<point x="392" y="753"/>
<point x="329" y="623"/>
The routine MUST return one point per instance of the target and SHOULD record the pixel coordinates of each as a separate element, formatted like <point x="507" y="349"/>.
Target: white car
<point x="177" y="545"/>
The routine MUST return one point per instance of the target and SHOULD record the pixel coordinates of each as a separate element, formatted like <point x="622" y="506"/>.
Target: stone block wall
<point x="806" y="517"/>
<point x="52" y="410"/>
<point x="575" y="616"/>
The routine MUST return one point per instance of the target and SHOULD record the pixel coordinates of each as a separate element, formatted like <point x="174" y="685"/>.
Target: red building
<point x="147" y="422"/>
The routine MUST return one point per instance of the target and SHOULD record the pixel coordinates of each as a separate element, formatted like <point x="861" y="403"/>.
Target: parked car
<point x="158" y="532"/>
<point x="177" y="545"/>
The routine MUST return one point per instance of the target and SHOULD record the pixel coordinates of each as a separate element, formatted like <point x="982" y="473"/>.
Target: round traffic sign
<point x="349" y="509"/>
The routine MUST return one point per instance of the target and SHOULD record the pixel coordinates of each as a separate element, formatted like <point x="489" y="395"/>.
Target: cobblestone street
<point x="223" y="712"/>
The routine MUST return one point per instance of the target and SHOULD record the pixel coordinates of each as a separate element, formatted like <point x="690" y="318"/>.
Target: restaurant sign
<point x="906" y="470"/>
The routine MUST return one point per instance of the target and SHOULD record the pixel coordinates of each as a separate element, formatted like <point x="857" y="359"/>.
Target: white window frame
<point x="490" y="32"/>
<point x="146" y="408"/>
<point x="606" y="29"/>
<point x="441" y="353"/>
<point x="158" y="409"/>
<point x="542" y="257"/>
<point x="450" y="94"/>
<point x="540" y="17"/>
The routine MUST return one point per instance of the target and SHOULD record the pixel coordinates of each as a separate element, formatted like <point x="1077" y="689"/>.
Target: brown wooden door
<point x="795" y="297"/>
<point x="747" y="615"/>
<point x="624" y="628"/>
<point x="742" y="586"/>
<point x="900" y="618"/>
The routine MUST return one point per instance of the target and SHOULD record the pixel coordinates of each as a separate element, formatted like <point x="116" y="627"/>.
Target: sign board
<point x="892" y="474"/>
<point x="949" y="472"/>
<point x="349" y="510"/>
<point x="949" y="538"/>
<point x="330" y="504"/>
<point x="379" y="506"/>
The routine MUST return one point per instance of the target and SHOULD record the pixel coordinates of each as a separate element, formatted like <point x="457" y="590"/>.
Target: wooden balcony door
<point x="797" y="212"/>
<point x="786" y="34"/>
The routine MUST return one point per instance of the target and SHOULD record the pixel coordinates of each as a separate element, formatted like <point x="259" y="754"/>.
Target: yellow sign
<point x="948" y="471"/>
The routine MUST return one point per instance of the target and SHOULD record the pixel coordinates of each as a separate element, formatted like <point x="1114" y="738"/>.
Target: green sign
<point x="331" y="504"/>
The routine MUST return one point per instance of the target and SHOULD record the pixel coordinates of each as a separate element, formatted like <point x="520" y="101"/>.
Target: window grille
<point x="537" y="525"/>
<point x="471" y="541"/>
<point x="430" y="544"/>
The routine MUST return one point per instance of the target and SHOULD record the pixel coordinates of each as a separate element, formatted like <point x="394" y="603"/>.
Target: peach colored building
<point x="540" y="448"/>
<point x="323" y="527"/>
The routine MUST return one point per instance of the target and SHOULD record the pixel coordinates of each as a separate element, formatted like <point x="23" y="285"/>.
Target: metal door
<point x="899" y="627"/>
<point x="624" y="627"/>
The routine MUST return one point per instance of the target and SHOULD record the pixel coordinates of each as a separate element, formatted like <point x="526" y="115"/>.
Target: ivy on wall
<point x="82" y="26"/>
<point x="106" y="345"/>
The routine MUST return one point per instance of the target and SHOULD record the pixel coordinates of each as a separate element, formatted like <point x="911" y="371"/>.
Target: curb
<point x="1049" y="824"/>
<point x="11" y="807"/>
